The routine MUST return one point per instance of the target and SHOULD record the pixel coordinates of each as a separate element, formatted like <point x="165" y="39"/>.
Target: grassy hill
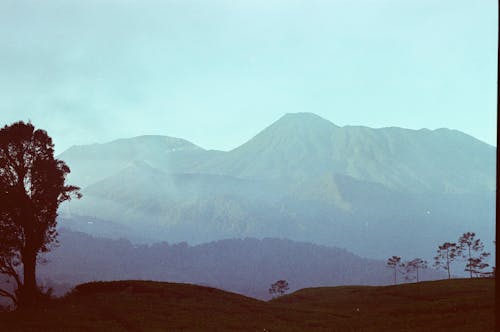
<point x="455" y="305"/>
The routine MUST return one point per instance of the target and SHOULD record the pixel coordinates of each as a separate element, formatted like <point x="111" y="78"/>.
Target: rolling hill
<point x="451" y="305"/>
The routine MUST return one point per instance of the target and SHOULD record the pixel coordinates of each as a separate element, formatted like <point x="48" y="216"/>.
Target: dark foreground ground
<point x="447" y="305"/>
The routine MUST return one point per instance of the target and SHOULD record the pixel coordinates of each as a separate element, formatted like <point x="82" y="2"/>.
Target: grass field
<point x="447" y="305"/>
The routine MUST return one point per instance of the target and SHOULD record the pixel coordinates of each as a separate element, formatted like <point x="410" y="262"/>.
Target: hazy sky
<point x="217" y="72"/>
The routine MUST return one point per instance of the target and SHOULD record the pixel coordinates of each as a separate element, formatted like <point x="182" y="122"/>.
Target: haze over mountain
<point x="376" y="192"/>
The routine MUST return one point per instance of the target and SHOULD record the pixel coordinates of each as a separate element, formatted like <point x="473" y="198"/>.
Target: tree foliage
<point x="279" y="288"/>
<point x="32" y="185"/>
<point x="446" y="254"/>
<point x="414" y="266"/>
<point x="471" y="249"/>
<point x="394" y="263"/>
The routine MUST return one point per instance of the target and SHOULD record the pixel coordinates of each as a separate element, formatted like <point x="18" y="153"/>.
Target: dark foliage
<point x="414" y="266"/>
<point x="446" y="254"/>
<point x="279" y="288"/>
<point x="394" y="263"/>
<point x="471" y="249"/>
<point x="32" y="185"/>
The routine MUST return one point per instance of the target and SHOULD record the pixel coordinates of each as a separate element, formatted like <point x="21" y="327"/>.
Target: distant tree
<point x="493" y="268"/>
<point x="414" y="266"/>
<point x="446" y="254"/>
<point x="32" y="185"/>
<point x="476" y="265"/>
<point x="279" y="288"/>
<point x="394" y="263"/>
<point x="471" y="249"/>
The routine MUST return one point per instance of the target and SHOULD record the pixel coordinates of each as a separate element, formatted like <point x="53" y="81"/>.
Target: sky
<point x="217" y="72"/>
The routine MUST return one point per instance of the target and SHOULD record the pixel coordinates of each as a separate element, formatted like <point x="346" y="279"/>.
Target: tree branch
<point x="4" y="293"/>
<point x="14" y="274"/>
<point x="7" y="267"/>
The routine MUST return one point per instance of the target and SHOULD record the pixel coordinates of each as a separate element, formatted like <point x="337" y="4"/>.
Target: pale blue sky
<point x="217" y="72"/>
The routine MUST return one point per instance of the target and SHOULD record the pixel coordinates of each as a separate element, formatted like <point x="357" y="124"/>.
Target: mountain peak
<point x="166" y="142"/>
<point x="304" y="118"/>
<point x="302" y="126"/>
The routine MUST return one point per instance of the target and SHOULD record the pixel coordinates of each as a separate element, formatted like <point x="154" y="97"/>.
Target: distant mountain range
<point x="246" y="266"/>
<point x="376" y="192"/>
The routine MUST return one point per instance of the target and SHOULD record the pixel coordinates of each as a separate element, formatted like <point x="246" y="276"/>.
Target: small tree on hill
<point x="279" y="288"/>
<point x="476" y="266"/>
<point x="492" y="273"/>
<point x="32" y="185"/>
<point x="414" y="266"/>
<point x="446" y="254"/>
<point x="394" y="263"/>
<point x="471" y="249"/>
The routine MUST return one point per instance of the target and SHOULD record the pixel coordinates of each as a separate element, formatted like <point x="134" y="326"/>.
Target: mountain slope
<point x="246" y="266"/>
<point x="377" y="192"/>
<point x="92" y="163"/>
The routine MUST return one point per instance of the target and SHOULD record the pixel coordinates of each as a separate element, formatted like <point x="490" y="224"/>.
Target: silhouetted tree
<point x="32" y="185"/>
<point x="493" y="268"/>
<point x="414" y="266"/>
<point x="279" y="288"/>
<point x="394" y="263"/>
<point x="446" y="253"/>
<point x="468" y="247"/>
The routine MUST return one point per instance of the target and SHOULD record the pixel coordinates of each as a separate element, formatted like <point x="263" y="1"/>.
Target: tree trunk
<point x="395" y="276"/>
<point x="417" y="273"/>
<point x="29" y="291"/>
<point x="448" y="263"/>
<point x="470" y="264"/>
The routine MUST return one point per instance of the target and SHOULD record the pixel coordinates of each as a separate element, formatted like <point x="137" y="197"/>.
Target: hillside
<point x="246" y="266"/>
<point x="455" y="305"/>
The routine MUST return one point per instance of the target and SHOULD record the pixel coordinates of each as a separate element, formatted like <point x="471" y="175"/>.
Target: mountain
<point x="376" y="192"/>
<point x="304" y="145"/>
<point x="91" y="163"/>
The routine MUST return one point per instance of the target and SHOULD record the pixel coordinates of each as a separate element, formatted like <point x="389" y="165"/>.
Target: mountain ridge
<point x="398" y="158"/>
<point x="285" y="117"/>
